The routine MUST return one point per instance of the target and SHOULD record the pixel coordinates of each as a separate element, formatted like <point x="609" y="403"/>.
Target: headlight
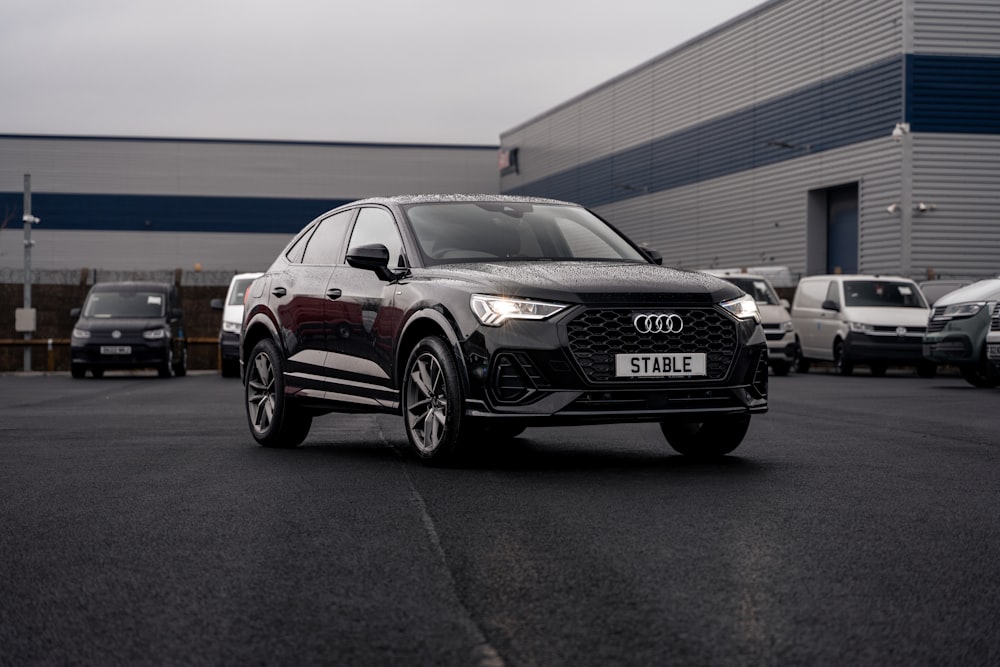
<point x="787" y="326"/>
<point x="495" y="310"/>
<point x="861" y="327"/>
<point x="964" y="309"/>
<point x="743" y="307"/>
<point x="154" y="334"/>
<point x="231" y="327"/>
<point x="80" y="333"/>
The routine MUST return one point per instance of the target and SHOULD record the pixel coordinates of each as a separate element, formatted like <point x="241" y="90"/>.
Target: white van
<point x="861" y="319"/>
<point x="782" y="342"/>
<point x="232" y="319"/>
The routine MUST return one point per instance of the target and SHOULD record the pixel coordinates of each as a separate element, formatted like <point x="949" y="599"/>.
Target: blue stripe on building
<point x="246" y="215"/>
<point x="944" y="94"/>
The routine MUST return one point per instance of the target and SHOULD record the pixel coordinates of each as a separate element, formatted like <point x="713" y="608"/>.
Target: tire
<point x="181" y="367"/>
<point x="166" y="369"/>
<point x="274" y="421"/>
<point x="78" y="371"/>
<point x="927" y="369"/>
<point x="840" y="361"/>
<point x="781" y="367"/>
<point x="432" y="401"/>
<point x="980" y="375"/>
<point x="230" y="368"/>
<point x="706" y="440"/>
<point x="879" y="370"/>
<point x="802" y="364"/>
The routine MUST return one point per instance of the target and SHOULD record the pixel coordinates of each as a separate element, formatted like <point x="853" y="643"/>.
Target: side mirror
<point x="654" y="255"/>
<point x="216" y="304"/>
<point x="176" y="314"/>
<point x="831" y="305"/>
<point x="372" y="257"/>
<point x="74" y="312"/>
<point x="785" y="304"/>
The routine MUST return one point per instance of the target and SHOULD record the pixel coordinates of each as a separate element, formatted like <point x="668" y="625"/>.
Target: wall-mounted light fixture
<point x="899" y="131"/>
<point x="892" y="208"/>
<point x="923" y="208"/>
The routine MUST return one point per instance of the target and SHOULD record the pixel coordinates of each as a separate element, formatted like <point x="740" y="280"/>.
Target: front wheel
<point x="432" y="400"/>
<point x="274" y="421"/>
<point x="840" y="361"/>
<point x="706" y="440"/>
<point x="980" y="375"/>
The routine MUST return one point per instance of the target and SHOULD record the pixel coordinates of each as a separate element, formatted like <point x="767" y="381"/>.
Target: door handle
<point x="279" y="292"/>
<point x="333" y="293"/>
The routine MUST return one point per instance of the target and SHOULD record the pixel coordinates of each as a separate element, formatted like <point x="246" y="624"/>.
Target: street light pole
<point x="29" y="220"/>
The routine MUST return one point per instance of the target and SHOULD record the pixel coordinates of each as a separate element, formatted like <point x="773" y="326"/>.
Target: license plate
<point x="672" y="364"/>
<point x="993" y="351"/>
<point x="116" y="349"/>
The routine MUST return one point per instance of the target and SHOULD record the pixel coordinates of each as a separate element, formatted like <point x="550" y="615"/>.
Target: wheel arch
<point x="258" y="329"/>
<point x="428" y="322"/>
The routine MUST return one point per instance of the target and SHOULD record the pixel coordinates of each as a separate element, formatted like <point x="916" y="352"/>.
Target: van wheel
<point x="980" y="375"/>
<point x="840" y="360"/>
<point x="802" y="364"/>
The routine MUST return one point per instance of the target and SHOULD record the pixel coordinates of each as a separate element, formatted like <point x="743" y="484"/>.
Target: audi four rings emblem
<point x="647" y="323"/>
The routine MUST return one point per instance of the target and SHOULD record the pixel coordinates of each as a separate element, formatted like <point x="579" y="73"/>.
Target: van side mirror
<point x="372" y="257"/>
<point x="75" y="312"/>
<point x="785" y="304"/>
<point x="216" y="304"/>
<point x="176" y="314"/>
<point x="654" y="255"/>
<point x="831" y="305"/>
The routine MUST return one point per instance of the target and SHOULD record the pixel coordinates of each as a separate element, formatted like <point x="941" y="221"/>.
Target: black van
<point x="125" y="325"/>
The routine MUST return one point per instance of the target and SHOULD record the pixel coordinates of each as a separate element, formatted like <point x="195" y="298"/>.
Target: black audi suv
<point x="475" y="317"/>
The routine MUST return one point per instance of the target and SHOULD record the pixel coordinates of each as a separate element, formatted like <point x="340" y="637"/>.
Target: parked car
<point x="993" y="340"/>
<point x="957" y="329"/>
<point x="782" y="340"/>
<point x="476" y="316"/>
<point x="128" y="325"/>
<point x="232" y="319"/>
<point x="935" y="289"/>
<point x="861" y="319"/>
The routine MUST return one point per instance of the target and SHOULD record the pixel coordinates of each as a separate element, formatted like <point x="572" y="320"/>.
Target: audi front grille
<point x="597" y="335"/>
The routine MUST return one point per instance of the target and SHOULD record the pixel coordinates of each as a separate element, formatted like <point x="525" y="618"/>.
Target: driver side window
<point x="376" y="225"/>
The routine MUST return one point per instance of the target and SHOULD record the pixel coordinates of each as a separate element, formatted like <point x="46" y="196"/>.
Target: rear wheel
<point x="432" y="401"/>
<point x="706" y="440"/>
<point x="166" y="369"/>
<point x="879" y="370"/>
<point x="274" y="421"/>
<point x="802" y="364"/>
<point x="97" y="372"/>
<point x="78" y="371"/>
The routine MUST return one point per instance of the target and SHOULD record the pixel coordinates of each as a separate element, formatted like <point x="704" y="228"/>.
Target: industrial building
<point x="821" y="135"/>
<point x="128" y="204"/>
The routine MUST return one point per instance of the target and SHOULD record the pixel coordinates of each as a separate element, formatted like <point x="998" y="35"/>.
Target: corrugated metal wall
<point x="801" y="77"/>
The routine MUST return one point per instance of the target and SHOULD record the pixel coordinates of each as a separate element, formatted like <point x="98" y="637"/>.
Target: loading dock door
<point x="842" y="229"/>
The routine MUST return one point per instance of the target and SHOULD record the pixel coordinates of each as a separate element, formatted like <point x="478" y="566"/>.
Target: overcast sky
<point x="397" y="71"/>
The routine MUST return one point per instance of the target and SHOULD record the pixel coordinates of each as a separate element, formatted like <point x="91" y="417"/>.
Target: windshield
<point x="514" y="231"/>
<point x="125" y="303"/>
<point x="882" y="293"/>
<point x="758" y="289"/>
<point x="238" y="291"/>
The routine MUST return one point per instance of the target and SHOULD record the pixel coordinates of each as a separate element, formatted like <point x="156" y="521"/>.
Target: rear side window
<point x="326" y="245"/>
<point x="811" y="293"/>
<point x="882" y="294"/>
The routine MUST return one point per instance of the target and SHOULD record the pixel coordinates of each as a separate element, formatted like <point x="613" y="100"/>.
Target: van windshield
<point x="882" y="294"/>
<point x="126" y="303"/>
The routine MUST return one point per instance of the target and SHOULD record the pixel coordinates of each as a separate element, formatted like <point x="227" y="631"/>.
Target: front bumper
<point x="229" y="346"/>
<point x="144" y="354"/>
<point x="902" y="349"/>
<point x="565" y="374"/>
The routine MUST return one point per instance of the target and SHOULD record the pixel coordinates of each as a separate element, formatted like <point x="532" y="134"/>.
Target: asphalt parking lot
<point x="139" y="524"/>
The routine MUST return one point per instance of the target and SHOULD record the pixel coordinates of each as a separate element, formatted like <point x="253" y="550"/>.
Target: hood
<point x="589" y="281"/>
<point x="106" y="324"/>
<point x="881" y="316"/>
<point x="984" y="290"/>
<point x="772" y="314"/>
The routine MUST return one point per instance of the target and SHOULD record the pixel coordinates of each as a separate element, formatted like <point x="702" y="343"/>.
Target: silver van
<point x="861" y="319"/>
